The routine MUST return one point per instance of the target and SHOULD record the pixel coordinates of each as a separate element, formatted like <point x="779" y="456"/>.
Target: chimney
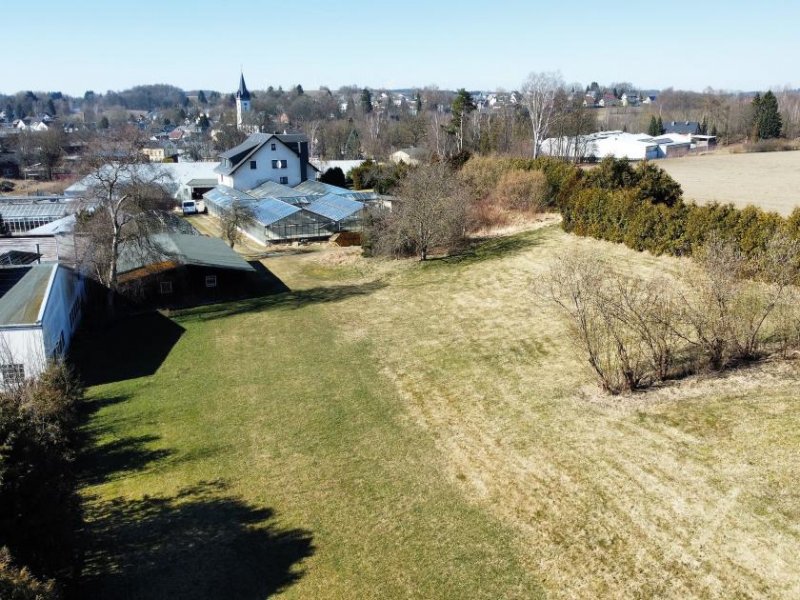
<point x="303" y="160"/>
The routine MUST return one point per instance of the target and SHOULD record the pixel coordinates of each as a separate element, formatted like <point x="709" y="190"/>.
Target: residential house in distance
<point x="410" y="156"/>
<point x="682" y="127"/>
<point x="40" y="309"/>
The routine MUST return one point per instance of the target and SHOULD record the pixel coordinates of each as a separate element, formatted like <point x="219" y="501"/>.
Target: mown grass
<point x="396" y="429"/>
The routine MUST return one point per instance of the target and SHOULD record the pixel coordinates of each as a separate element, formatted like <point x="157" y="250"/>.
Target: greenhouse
<point x="24" y="214"/>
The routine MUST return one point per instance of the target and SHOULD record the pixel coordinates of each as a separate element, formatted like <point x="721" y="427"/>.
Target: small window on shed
<point x="13" y="373"/>
<point x="211" y="281"/>
<point x="284" y="180"/>
<point x="165" y="287"/>
<point x="252" y="164"/>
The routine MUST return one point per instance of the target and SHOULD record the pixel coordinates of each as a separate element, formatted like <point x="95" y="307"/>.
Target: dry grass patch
<point x="768" y="180"/>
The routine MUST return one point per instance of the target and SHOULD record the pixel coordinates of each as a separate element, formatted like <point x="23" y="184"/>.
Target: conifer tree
<point x="767" y="123"/>
<point x="653" y="129"/>
<point x="660" y="126"/>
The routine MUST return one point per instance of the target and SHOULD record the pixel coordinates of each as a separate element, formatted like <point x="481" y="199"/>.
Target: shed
<point x="40" y="309"/>
<point x="177" y="269"/>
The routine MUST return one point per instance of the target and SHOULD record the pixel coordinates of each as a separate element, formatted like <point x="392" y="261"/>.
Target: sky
<point x="199" y="44"/>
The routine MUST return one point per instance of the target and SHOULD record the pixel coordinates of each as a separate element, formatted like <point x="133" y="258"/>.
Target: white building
<point x="262" y="157"/>
<point x="617" y="144"/>
<point x="40" y="308"/>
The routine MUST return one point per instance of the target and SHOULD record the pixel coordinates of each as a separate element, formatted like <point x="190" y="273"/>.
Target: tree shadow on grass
<point x="127" y="348"/>
<point x="101" y="463"/>
<point x="288" y="300"/>
<point x="482" y="249"/>
<point x="200" y="543"/>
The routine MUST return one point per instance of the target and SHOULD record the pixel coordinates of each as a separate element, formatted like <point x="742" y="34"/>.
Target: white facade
<point x="280" y="165"/>
<point x="26" y="347"/>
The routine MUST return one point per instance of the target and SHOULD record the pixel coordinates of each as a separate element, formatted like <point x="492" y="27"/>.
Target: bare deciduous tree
<point x="123" y="196"/>
<point x="538" y="95"/>
<point x="431" y="213"/>
<point x="235" y="218"/>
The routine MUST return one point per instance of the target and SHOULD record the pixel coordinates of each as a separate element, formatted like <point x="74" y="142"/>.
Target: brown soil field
<point x="770" y="180"/>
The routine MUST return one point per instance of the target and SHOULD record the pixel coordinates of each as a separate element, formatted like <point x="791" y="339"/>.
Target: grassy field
<point x="396" y="429"/>
<point x="770" y="180"/>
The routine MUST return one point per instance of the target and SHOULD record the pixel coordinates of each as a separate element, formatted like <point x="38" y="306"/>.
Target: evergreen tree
<point x="201" y="97"/>
<point x="462" y="105"/>
<point x="767" y="123"/>
<point x="653" y="129"/>
<point x="755" y="107"/>
<point x="418" y="101"/>
<point x="366" y="100"/>
<point x="299" y="90"/>
<point x="661" y="129"/>
<point x="704" y="126"/>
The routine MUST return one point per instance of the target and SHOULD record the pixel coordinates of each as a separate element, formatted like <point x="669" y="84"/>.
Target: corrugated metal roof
<point x="23" y="292"/>
<point x="174" y="175"/>
<point x="181" y="249"/>
<point x="333" y="207"/>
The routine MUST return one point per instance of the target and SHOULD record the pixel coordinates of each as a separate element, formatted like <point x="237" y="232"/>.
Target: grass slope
<point x="398" y="429"/>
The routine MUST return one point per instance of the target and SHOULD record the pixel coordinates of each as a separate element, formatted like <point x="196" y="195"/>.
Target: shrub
<point x="525" y="191"/>
<point x="19" y="584"/>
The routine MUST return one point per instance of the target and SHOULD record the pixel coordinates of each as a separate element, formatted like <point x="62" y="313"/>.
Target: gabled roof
<point x="237" y="155"/>
<point x="181" y="249"/>
<point x="267" y="210"/>
<point x="684" y="127"/>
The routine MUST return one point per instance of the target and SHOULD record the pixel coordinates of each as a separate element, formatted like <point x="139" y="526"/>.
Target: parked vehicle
<point x="192" y="207"/>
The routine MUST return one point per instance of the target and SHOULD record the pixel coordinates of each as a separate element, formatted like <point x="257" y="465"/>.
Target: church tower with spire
<point x="242" y="102"/>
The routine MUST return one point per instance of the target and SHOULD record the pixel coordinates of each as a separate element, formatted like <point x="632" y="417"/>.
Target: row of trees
<point x="726" y="308"/>
<point x="643" y="208"/>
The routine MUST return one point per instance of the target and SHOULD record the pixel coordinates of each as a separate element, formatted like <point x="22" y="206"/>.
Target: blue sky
<point x="102" y="45"/>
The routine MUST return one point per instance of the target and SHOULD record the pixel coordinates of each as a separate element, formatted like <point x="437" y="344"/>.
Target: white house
<point x="40" y="308"/>
<point x="282" y="158"/>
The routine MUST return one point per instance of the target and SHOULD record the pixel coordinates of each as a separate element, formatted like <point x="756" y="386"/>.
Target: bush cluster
<point x="727" y="308"/>
<point x="39" y="506"/>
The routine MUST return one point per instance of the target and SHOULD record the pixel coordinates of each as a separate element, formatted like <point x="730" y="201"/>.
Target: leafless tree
<point x="234" y="219"/>
<point x="538" y="95"/>
<point x="430" y="213"/>
<point x="124" y="193"/>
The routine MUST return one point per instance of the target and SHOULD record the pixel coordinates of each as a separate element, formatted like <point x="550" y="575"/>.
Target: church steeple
<point x="242" y="101"/>
<point x="242" y="92"/>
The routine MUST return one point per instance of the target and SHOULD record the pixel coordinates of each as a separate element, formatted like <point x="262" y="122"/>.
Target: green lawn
<point x="394" y="429"/>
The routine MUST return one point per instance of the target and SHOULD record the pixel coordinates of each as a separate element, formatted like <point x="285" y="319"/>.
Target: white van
<point x="191" y="207"/>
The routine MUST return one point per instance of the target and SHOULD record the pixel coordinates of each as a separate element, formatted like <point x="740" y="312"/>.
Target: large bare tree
<point x="125" y="198"/>
<point x="538" y="95"/>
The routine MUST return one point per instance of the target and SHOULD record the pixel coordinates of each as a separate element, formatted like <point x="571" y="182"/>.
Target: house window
<point x="284" y="180"/>
<point x="13" y="373"/>
<point x="211" y="281"/>
<point x="166" y="287"/>
<point x="280" y="164"/>
<point x="273" y="147"/>
<point x="252" y="165"/>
